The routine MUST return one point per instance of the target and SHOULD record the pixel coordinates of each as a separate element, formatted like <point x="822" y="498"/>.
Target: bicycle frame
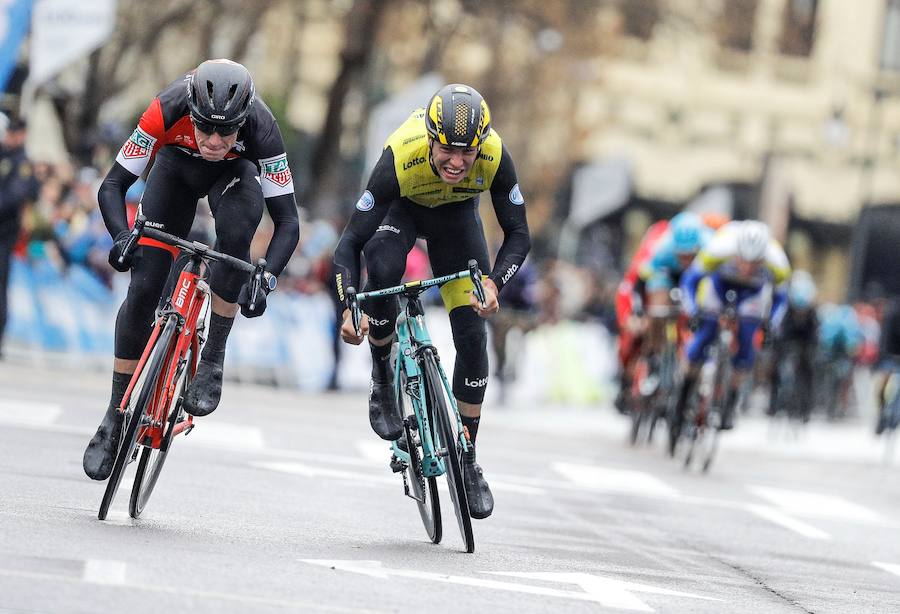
<point x="186" y="304"/>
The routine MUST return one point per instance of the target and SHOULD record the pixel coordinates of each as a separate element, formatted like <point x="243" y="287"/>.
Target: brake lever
<point x="353" y="306"/>
<point x="133" y="238"/>
<point x="475" y="276"/>
<point x="256" y="282"/>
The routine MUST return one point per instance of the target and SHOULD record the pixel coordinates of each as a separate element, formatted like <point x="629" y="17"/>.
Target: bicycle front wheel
<point x="137" y="415"/>
<point x="152" y="459"/>
<point x="424" y="490"/>
<point x="446" y="426"/>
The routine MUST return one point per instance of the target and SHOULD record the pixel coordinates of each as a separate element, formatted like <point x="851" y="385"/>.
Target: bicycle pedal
<point x="398" y="466"/>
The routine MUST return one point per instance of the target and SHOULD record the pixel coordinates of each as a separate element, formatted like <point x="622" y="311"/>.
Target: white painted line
<point x="99" y="571"/>
<point x="606" y="591"/>
<point x="888" y="567"/>
<point x="514" y="488"/>
<point x="811" y="504"/>
<point x="311" y="471"/>
<point x="780" y="518"/>
<point x="28" y="412"/>
<point x="614" y="480"/>
<point x="226" y="435"/>
<point x="374" y="450"/>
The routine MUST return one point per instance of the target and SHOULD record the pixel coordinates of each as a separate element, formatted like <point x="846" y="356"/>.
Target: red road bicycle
<point x="153" y="400"/>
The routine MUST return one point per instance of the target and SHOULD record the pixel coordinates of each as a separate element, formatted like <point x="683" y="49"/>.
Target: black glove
<point x="116" y="251"/>
<point x="244" y="300"/>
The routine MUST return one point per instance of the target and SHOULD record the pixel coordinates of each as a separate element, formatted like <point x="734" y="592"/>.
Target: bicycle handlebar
<point x="413" y="287"/>
<point x="197" y="248"/>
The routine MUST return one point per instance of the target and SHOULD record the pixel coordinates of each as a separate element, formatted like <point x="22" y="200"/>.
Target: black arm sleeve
<point x="112" y="198"/>
<point x="383" y="189"/>
<point x="286" y="234"/>
<point x="511" y="216"/>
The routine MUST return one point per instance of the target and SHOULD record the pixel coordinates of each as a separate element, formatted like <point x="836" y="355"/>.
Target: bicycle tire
<point x="153" y="459"/>
<point x="137" y="416"/>
<point x="447" y="435"/>
<point x="424" y="489"/>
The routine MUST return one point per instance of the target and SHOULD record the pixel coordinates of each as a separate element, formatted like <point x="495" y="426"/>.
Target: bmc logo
<point x="412" y="163"/>
<point x="182" y="293"/>
<point x="476" y="383"/>
<point x="509" y="273"/>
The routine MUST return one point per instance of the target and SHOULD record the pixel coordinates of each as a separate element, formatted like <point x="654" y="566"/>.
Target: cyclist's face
<point x="452" y="163"/>
<point x="213" y="147"/>
<point x="747" y="268"/>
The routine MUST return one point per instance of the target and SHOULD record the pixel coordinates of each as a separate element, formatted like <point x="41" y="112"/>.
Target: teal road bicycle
<point x="434" y="441"/>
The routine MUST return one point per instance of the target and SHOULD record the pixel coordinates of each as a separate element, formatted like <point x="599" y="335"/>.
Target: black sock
<point x="472" y="425"/>
<point x="686" y="386"/>
<point x="119" y="386"/>
<point x="214" y="348"/>
<point x="381" y="355"/>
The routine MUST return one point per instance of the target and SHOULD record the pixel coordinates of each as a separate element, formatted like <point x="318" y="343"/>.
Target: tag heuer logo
<point x="138" y="145"/>
<point x="276" y="170"/>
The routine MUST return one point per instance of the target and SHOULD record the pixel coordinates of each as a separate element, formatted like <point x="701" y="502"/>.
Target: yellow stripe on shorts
<point x="456" y="293"/>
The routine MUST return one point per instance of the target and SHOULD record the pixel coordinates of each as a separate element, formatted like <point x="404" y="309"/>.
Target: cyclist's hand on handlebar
<point x="117" y="250"/>
<point x="491" y="302"/>
<point x="348" y="334"/>
<point x="259" y="304"/>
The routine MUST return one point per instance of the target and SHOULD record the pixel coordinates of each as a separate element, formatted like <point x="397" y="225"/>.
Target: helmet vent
<point x="231" y="91"/>
<point x="209" y="89"/>
<point x="459" y="125"/>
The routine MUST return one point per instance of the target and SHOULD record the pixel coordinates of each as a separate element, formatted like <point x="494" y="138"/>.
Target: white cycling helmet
<point x="752" y="240"/>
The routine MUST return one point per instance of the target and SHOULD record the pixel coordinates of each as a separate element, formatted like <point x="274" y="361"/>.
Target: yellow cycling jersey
<point x="417" y="179"/>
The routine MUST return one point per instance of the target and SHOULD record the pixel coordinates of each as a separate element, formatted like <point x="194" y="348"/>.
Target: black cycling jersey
<point x="167" y="123"/>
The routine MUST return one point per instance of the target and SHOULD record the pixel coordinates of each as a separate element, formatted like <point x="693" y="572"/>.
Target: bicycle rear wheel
<point x="424" y="490"/>
<point x="448" y="436"/>
<point x="152" y="459"/>
<point x="136" y="414"/>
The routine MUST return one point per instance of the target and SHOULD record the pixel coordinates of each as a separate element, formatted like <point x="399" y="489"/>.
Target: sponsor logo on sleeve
<point x="509" y="273"/>
<point x="476" y="383"/>
<point x="138" y="145"/>
<point x="276" y="170"/>
<point x="515" y="196"/>
<point x="366" y="201"/>
<point x="388" y="228"/>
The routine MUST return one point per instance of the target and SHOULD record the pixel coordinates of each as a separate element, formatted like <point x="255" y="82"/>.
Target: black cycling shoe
<point x="100" y="454"/>
<point x="383" y="413"/>
<point x="398" y="465"/>
<point x="478" y="493"/>
<point x="203" y="396"/>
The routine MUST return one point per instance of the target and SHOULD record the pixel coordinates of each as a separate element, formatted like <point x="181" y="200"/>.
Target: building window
<point x="798" y="27"/>
<point x="890" y="47"/>
<point x="734" y="27"/>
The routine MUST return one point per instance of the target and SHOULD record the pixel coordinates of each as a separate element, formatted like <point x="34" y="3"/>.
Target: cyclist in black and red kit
<point x="210" y="135"/>
<point x="426" y="184"/>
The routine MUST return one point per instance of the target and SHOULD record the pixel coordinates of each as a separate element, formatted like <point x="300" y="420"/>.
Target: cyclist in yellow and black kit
<point x="427" y="184"/>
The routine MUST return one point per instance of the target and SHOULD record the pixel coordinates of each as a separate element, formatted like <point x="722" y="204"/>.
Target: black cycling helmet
<point x="458" y="115"/>
<point x="220" y="94"/>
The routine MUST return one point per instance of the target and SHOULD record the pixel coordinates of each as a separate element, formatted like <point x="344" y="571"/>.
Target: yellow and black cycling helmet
<point x="458" y="115"/>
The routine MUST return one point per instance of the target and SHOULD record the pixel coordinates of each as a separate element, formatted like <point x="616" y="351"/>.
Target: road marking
<point x="99" y="571"/>
<point x="380" y="453"/>
<point x="803" y="503"/>
<point x="606" y="591"/>
<point x="14" y="411"/>
<point x="788" y="522"/>
<point x="889" y="567"/>
<point x="375" y="451"/>
<point x="311" y="471"/>
<point x="614" y="480"/>
<point x="226" y="435"/>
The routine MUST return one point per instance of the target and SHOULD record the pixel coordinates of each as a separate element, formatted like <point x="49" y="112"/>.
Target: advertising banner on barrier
<point x="14" y="21"/>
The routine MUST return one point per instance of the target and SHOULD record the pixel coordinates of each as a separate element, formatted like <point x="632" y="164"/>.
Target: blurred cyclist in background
<point x="798" y="333"/>
<point x="661" y="273"/>
<point x="889" y="362"/>
<point x="630" y="310"/>
<point x="743" y="257"/>
<point x="840" y="341"/>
